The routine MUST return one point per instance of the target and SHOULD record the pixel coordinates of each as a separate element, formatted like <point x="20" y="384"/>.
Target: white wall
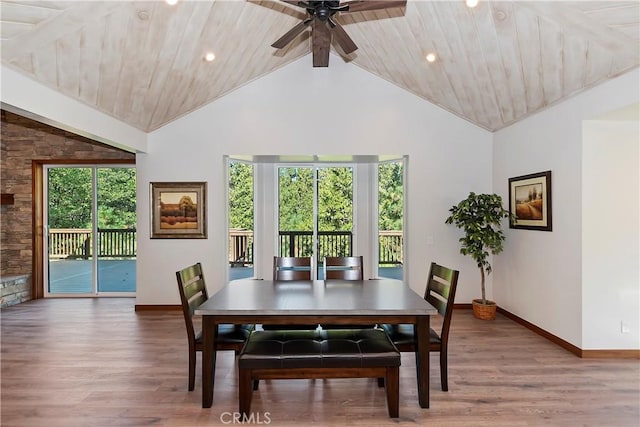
<point x="610" y="235"/>
<point x="539" y="275"/>
<point x="304" y="110"/>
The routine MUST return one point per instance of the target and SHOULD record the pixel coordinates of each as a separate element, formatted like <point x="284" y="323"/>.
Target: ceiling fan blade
<point x="361" y="6"/>
<point x="294" y="3"/>
<point x="321" y="43"/>
<point x="346" y="43"/>
<point x="291" y="34"/>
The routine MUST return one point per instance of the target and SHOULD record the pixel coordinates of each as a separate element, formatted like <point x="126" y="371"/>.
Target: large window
<point x="315" y="206"/>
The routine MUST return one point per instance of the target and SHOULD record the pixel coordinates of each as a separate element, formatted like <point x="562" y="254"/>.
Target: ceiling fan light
<point x="471" y="3"/>
<point x="323" y="13"/>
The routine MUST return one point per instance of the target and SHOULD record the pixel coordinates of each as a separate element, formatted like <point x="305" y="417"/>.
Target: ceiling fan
<point x="324" y="26"/>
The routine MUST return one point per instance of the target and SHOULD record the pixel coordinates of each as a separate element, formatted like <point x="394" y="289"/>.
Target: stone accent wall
<point x="14" y="290"/>
<point x="23" y="140"/>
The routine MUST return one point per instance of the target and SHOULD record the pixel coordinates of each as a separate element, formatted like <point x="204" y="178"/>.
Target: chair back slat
<point x="193" y="288"/>
<point x="344" y="268"/>
<point x="439" y="288"/>
<point x="292" y="275"/>
<point x="438" y="303"/>
<point x="196" y="302"/>
<point x="291" y="268"/>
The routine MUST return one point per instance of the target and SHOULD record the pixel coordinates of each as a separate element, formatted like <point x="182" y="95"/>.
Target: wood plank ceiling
<point x="142" y="62"/>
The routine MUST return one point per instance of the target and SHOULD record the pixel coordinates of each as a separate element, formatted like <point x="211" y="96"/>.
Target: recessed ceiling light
<point x="171" y="2"/>
<point x="210" y="56"/>
<point x="471" y="3"/>
<point x="431" y="57"/>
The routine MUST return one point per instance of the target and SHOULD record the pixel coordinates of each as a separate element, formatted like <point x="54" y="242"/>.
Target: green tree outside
<point x="70" y="192"/>
<point x="241" y="196"/>
<point x="117" y="198"/>
<point x="335" y="194"/>
<point x="335" y="199"/>
<point x="295" y="197"/>
<point x="390" y="196"/>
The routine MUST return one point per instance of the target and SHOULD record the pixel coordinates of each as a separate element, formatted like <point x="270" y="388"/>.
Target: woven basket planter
<point x="484" y="311"/>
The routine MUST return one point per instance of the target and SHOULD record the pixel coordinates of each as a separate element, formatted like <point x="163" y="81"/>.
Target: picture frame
<point x="178" y="210"/>
<point x="530" y="201"/>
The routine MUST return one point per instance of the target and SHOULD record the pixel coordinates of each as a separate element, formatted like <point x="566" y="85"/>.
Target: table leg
<point x="209" y="332"/>
<point x="422" y="360"/>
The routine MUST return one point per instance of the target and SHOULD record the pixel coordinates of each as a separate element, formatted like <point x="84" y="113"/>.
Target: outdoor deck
<point x="71" y="252"/>
<point x="73" y="276"/>
<point x="118" y="276"/>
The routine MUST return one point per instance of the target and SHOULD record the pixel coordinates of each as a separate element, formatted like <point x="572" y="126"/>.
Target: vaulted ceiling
<point x="142" y="62"/>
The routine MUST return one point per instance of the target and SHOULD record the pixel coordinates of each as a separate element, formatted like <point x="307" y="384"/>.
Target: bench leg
<point x="392" y="384"/>
<point x="245" y="391"/>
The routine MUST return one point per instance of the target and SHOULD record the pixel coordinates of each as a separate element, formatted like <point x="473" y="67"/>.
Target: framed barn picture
<point x="178" y="210"/>
<point x="530" y="201"/>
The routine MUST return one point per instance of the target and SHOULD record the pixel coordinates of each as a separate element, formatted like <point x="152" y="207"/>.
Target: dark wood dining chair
<point x="193" y="292"/>
<point x="291" y="269"/>
<point x="440" y="292"/>
<point x="343" y="268"/>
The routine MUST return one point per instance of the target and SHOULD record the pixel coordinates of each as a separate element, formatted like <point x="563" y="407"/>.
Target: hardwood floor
<point x="97" y="362"/>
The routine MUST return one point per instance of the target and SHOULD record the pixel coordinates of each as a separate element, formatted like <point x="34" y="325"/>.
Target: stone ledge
<point x="14" y="289"/>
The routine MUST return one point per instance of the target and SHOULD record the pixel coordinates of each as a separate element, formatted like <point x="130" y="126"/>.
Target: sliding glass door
<point x="390" y="219"/>
<point x="116" y="231"/>
<point x="90" y="217"/>
<point x="315" y="212"/>
<point x="296" y="211"/>
<point x="241" y="219"/>
<point x="69" y="227"/>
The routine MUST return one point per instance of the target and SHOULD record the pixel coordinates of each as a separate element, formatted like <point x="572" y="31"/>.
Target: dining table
<point x="324" y="302"/>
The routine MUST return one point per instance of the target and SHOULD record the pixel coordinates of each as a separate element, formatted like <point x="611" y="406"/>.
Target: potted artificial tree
<point x="479" y="216"/>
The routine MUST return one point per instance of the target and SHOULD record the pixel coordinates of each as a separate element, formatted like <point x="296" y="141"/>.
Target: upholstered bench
<point x="357" y="353"/>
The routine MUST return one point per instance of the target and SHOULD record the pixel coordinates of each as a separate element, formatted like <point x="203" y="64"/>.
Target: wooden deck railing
<point x="240" y="247"/>
<point x="76" y="243"/>
<point x="300" y="243"/>
<point x="121" y="243"/>
<point x="390" y="245"/>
